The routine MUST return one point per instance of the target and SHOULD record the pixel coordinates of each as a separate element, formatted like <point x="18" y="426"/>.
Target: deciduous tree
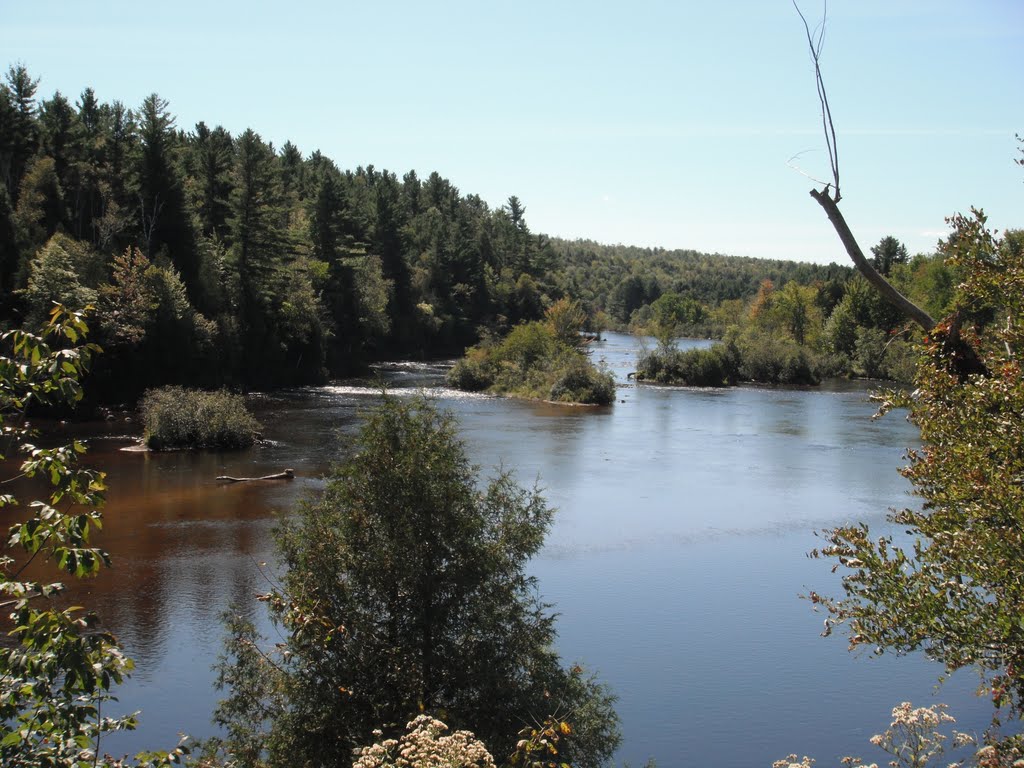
<point x="59" y="668"/>
<point x="950" y="585"/>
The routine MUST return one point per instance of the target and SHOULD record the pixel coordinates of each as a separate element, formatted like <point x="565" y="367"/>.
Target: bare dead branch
<point x="828" y="127"/>
<point x="815" y="41"/>
<point x="801" y="171"/>
<point x="894" y="297"/>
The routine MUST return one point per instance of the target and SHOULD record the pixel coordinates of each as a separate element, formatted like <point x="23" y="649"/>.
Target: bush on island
<point x="174" y="417"/>
<point x="717" y="366"/>
<point x="758" y="358"/>
<point x="539" y="360"/>
<point x="769" y="360"/>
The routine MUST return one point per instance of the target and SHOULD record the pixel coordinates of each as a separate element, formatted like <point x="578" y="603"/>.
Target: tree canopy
<point x="406" y="591"/>
<point x="951" y="586"/>
<point x="271" y="266"/>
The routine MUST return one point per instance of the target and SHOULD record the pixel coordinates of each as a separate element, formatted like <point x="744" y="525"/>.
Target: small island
<point x="176" y="418"/>
<point x="540" y="360"/>
<point x="780" y="337"/>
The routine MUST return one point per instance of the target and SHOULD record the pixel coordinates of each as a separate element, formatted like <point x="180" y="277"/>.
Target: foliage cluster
<point x="405" y="592"/>
<point x="951" y="587"/>
<point x="59" y="668"/>
<point x="541" y="359"/>
<point x="174" y="417"/>
<point x="801" y="333"/>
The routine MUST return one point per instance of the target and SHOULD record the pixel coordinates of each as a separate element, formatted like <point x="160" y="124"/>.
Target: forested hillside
<point x="218" y="259"/>
<point x="221" y="260"/>
<point x="621" y="279"/>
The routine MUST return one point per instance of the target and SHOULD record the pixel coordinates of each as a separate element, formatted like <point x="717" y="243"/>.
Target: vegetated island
<point x="175" y="418"/>
<point x="781" y="337"/>
<point x="541" y="360"/>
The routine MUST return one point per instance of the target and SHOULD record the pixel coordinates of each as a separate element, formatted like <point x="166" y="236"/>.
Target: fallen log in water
<point x="288" y="474"/>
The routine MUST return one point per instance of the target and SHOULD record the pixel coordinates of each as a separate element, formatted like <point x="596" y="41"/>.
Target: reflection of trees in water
<point x="183" y="547"/>
<point x="179" y="579"/>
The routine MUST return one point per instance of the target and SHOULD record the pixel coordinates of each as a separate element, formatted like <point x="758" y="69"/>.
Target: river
<point x="675" y="561"/>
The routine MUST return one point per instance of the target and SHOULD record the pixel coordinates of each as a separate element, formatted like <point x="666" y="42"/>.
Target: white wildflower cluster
<point x="905" y="716"/>
<point x="989" y="757"/>
<point x="425" y="745"/>
<point x="913" y="740"/>
<point x="790" y="762"/>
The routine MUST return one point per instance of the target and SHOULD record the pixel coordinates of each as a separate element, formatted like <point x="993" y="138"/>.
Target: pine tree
<point x="210" y="157"/>
<point x="257" y="242"/>
<point x="18" y="132"/>
<point x="161" y="199"/>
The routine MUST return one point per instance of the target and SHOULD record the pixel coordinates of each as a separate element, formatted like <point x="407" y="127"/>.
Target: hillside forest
<point x="221" y="260"/>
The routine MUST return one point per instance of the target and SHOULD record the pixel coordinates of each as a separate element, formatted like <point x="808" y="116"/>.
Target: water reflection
<point x="675" y="559"/>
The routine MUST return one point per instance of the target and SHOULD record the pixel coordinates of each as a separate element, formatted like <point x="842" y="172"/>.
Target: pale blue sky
<point x="645" y="123"/>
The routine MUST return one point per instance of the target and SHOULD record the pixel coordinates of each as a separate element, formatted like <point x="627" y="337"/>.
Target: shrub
<point x="405" y="591"/>
<point x="831" y="365"/>
<point x="471" y="374"/>
<point x="536" y="360"/>
<point x="581" y="382"/>
<point x="528" y="344"/>
<point x="769" y="360"/>
<point x="755" y="357"/>
<point x="901" y="361"/>
<point x="713" y="367"/>
<point x="174" y="417"/>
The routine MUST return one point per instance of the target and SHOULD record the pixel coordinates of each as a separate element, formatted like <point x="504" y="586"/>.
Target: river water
<point x="676" y="559"/>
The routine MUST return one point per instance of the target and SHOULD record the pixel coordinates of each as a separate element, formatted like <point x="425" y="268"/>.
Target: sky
<point x="658" y="123"/>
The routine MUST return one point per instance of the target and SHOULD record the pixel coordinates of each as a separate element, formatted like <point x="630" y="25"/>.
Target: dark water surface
<point x="675" y="561"/>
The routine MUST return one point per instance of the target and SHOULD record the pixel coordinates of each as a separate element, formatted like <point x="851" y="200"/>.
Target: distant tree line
<point x="221" y="260"/>
<point x="798" y="333"/>
<point x="621" y="280"/>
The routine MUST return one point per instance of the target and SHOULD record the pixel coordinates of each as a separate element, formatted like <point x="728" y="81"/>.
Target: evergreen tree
<point x="388" y="244"/>
<point x="406" y="591"/>
<point x="85" y="203"/>
<point x="888" y="253"/>
<point x="115" y="219"/>
<point x="257" y="244"/>
<point x="291" y="172"/>
<point x="18" y="131"/>
<point x="58" y="134"/>
<point x="210" y="157"/>
<point x="165" y="226"/>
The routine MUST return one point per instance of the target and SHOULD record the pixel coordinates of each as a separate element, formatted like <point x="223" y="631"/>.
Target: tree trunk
<point x="894" y="297"/>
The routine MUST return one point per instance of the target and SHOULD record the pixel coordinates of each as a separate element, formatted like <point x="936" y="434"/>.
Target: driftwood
<point x="288" y="474"/>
